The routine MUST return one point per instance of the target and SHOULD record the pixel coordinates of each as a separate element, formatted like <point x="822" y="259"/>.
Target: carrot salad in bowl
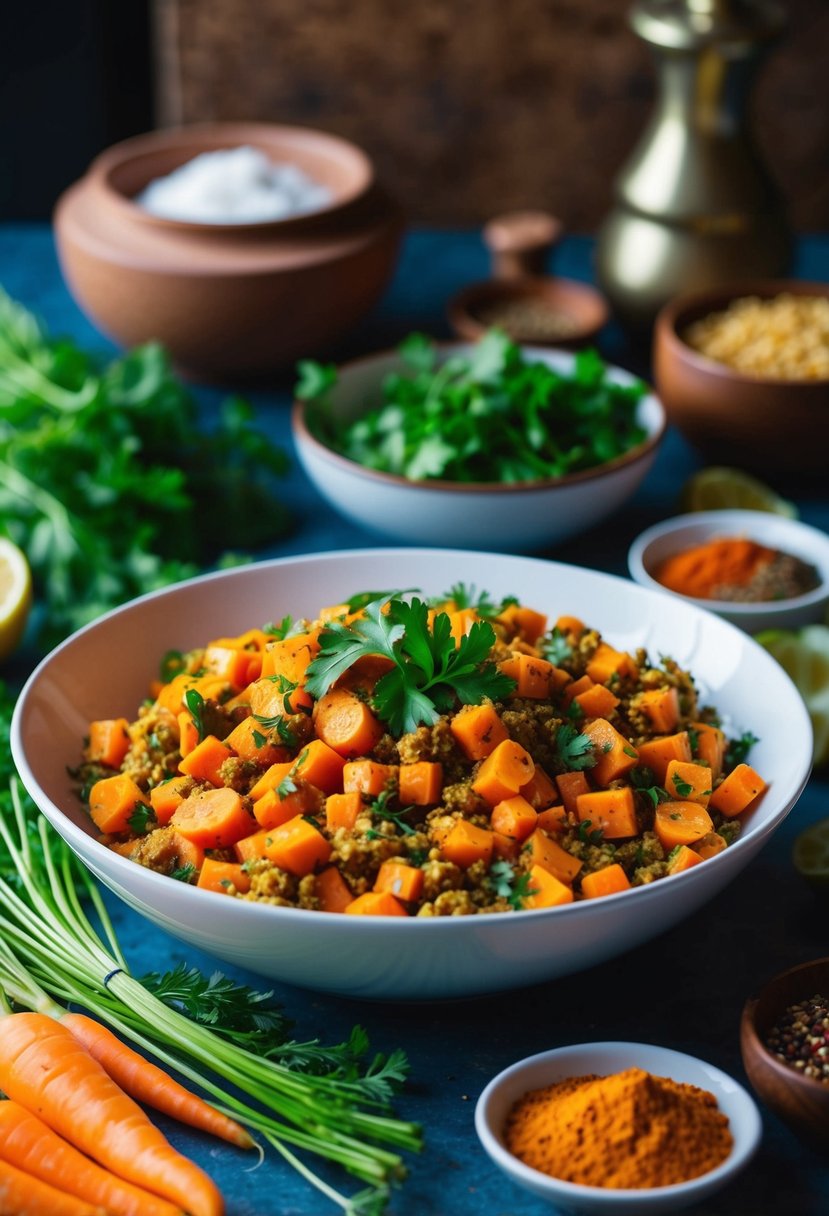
<point x="398" y="756"/>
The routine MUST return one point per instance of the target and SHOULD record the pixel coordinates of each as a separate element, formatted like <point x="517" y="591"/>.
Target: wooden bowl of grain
<point x="543" y="311"/>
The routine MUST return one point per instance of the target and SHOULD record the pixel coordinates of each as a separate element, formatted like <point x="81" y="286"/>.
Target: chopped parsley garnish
<point x="514" y="888"/>
<point x="588" y="834"/>
<point x="195" y="704"/>
<point x="466" y="595"/>
<point x="185" y="873"/>
<point x="379" y="809"/>
<point x="642" y="779"/>
<point x="575" y="750"/>
<point x="683" y="788"/>
<point x="282" y="728"/>
<point x="738" y="750"/>
<point x="431" y="673"/>
<point x="554" y="647"/>
<point x="142" y="819"/>
<point x="172" y="664"/>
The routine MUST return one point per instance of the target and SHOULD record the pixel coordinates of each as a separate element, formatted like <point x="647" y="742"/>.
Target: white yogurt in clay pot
<point x="233" y="186"/>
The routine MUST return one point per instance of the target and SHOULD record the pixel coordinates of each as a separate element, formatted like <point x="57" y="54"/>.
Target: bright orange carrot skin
<point x="45" y="1069"/>
<point x="149" y="1084"/>
<point x="27" y="1143"/>
<point x="23" y="1195"/>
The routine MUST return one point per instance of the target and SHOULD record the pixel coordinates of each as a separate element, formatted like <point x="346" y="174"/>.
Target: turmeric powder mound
<point x="628" y="1130"/>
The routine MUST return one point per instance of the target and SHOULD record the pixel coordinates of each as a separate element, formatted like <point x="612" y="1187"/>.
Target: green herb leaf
<point x="195" y="704"/>
<point x="575" y="750"/>
<point x="142" y="819"/>
<point x="554" y="647"/>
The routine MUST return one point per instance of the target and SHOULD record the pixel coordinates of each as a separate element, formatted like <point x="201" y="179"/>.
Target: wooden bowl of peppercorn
<point x="784" y="1038"/>
<point x="541" y="311"/>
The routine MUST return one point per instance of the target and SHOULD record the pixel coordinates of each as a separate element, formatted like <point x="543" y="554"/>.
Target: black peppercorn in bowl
<point x="784" y="1038"/>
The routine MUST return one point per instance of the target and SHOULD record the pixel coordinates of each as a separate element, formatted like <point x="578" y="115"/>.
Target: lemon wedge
<point x="722" y="489"/>
<point x="15" y="596"/>
<point x="810" y="853"/>
<point x="804" y="654"/>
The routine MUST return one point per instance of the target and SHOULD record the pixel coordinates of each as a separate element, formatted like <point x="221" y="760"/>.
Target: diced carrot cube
<point x="250" y="741"/>
<point x="534" y="677"/>
<point x="570" y="625"/>
<point x="612" y="811"/>
<point x="615" y="754"/>
<point x="661" y="707"/>
<point x="368" y="777"/>
<point x="571" y="786"/>
<point x="551" y="856"/>
<point x="420" y="783"/>
<point x="597" y="702"/>
<point x="553" y="819"/>
<point x="503" y="772"/>
<point x="466" y="843"/>
<point x="506" y="846"/>
<point x="109" y="741"/>
<point x="272" y="810"/>
<point x="290" y="657"/>
<point x="461" y="621"/>
<point x="345" y="723"/>
<point x="526" y="622"/>
<point x="656" y="754"/>
<point x="709" y="746"/>
<point x="342" y="810"/>
<point x="710" y="845"/>
<point x="112" y="801"/>
<point x="187" y="853"/>
<point x="298" y="847"/>
<point x="682" y="858"/>
<point x="376" y="903"/>
<point x="540" y="791"/>
<point x="223" y="877"/>
<point x="688" y="782"/>
<point x="205" y="761"/>
<point x="166" y="797"/>
<point x="607" y="881"/>
<point x="272" y="777"/>
<point x="737" y="791"/>
<point x="608" y="662"/>
<point x="251" y="848"/>
<point x="188" y="733"/>
<point x="213" y="818"/>
<point x="478" y="730"/>
<point x="575" y="687"/>
<point x="320" y="765"/>
<point x="514" y="817"/>
<point x="332" y="891"/>
<point x="234" y="664"/>
<point x="546" y="891"/>
<point x="401" y="880"/>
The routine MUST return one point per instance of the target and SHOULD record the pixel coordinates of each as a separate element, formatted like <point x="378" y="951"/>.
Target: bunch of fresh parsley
<point x="491" y="415"/>
<point x="107" y="481"/>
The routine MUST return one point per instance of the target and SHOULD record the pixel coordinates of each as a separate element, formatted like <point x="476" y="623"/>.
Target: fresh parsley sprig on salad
<point x="430" y="673"/>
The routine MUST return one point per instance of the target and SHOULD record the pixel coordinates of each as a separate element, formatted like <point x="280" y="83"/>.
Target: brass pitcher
<point x="695" y="206"/>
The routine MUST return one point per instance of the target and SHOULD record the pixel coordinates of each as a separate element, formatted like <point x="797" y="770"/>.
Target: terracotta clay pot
<point x="770" y="427"/>
<point x="227" y="299"/>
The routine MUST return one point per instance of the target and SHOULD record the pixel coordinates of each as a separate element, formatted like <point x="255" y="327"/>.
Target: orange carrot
<point x="188" y="733"/>
<point x="688" y="782"/>
<point x="27" y="1143"/>
<point x="298" y="847"/>
<point x="205" y="761"/>
<point x="346" y="724"/>
<point x="214" y="819"/>
<point x="534" y="677"/>
<point x="376" y="903"/>
<point x="290" y="657"/>
<point x="503" y="772"/>
<point x="342" y="810"/>
<point x="109" y="741"/>
<point x="220" y="876"/>
<point x="570" y="786"/>
<point x="112" y="801"/>
<point x="399" y="879"/>
<point x="273" y="776"/>
<point x="612" y="811"/>
<point x="571" y="625"/>
<point x="681" y="823"/>
<point x="607" y="662"/>
<point x="332" y="891"/>
<point x="368" y="777"/>
<point x="420" y="783"/>
<point x="478" y="730"/>
<point x="526" y="622"/>
<point x="656" y="754"/>
<point x="320" y="765"/>
<point x="737" y="791"/>
<point x="596" y="702"/>
<point x="22" y="1194"/>
<point x="272" y="810"/>
<point x="710" y="845"/>
<point x="552" y="819"/>
<point x="234" y="664"/>
<point x="252" y="848"/>
<point x="661" y="707"/>
<point x="168" y="796"/>
<point x="540" y="791"/>
<point x="545" y="890"/>
<point x="45" y="1069"/>
<point x="606" y="881"/>
<point x="682" y="858"/>
<point x="709" y="746"/>
<point x="614" y="754"/>
<point x="465" y="844"/>
<point x="150" y="1085"/>
<point x="514" y="817"/>
<point x="552" y="857"/>
<point x="250" y="741"/>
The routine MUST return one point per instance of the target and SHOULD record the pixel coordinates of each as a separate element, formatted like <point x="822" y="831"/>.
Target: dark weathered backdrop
<point x="473" y="106"/>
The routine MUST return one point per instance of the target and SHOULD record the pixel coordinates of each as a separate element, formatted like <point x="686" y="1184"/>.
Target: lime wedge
<point x="722" y="489"/>
<point x="15" y="596"/>
<point x="804" y="654"/>
<point x="810" y="853"/>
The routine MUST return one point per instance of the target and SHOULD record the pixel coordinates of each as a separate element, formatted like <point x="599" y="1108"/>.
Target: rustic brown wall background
<point x="470" y="107"/>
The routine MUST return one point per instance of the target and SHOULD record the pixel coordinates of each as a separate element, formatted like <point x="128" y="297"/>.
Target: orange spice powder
<point x="629" y="1130"/>
<point x="703" y="569"/>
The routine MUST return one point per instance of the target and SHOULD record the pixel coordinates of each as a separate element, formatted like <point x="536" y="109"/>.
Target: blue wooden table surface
<point x="685" y="989"/>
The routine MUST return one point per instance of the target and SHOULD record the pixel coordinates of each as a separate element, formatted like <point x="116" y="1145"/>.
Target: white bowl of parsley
<point x="483" y="446"/>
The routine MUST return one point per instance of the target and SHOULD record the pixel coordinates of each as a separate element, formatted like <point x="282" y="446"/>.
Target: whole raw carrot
<point x="149" y="1084"/>
<point x="23" y="1195"/>
<point x="27" y="1143"/>
<point x="45" y="1069"/>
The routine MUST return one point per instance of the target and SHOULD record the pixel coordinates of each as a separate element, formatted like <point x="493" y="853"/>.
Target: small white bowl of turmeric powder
<point x="758" y="570"/>
<point x="604" y="1127"/>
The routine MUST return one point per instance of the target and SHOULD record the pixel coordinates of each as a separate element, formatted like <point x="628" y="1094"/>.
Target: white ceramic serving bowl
<point x="523" y="517"/>
<point x="104" y="671"/>
<point x="671" y="536"/>
<point x="602" y="1059"/>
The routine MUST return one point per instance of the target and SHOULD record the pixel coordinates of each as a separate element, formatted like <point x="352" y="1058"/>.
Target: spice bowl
<point x="788" y="536"/>
<point x="800" y="1101"/>
<point x="228" y="300"/>
<point x="604" y="1059"/>
<point x="543" y="311"/>
<point x="779" y="427"/>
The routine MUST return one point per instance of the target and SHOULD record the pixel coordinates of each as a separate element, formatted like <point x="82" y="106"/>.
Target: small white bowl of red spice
<point x="756" y="569"/>
<point x="560" y="1125"/>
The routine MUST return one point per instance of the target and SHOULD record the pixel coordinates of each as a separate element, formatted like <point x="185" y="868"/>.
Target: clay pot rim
<point x="583" y="304"/>
<point x="213" y="136"/>
<point x="683" y="309"/>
